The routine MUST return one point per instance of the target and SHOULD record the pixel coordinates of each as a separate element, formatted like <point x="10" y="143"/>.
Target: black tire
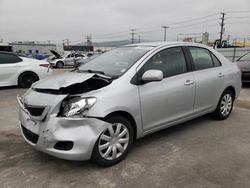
<point x="218" y="113"/>
<point x="97" y="157"/>
<point x="59" y="64"/>
<point x="26" y="79"/>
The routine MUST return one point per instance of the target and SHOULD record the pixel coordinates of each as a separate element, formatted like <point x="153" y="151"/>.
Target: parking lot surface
<point x="200" y="153"/>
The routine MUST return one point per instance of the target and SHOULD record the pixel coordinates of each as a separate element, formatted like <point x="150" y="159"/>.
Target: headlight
<point x="76" y="105"/>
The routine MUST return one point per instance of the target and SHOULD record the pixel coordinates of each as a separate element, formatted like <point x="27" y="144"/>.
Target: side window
<point x="9" y="58"/>
<point x="68" y="56"/>
<point x="79" y="55"/>
<point x="215" y="60"/>
<point x="170" y="61"/>
<point x="201" y="58"/>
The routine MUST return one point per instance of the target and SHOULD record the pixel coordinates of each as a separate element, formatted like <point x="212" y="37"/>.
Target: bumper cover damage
<point x="83" y="132"/>
<point x="46" y="130"/>
<point x="43" y="129"/>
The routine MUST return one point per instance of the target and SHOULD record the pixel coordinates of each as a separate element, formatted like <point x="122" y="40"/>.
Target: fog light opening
<point x="64" y="145"/>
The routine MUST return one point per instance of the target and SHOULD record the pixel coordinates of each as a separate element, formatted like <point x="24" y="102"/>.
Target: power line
<point x="194" y="19"/>
<point x="233" y="12"/>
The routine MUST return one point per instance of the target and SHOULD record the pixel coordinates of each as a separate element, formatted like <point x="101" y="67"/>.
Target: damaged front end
<point x="93" y="83"/>
<point x="52" y="119"/>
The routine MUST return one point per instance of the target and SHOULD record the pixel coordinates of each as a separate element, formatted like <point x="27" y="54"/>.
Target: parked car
<point x="20" y="70"/>
<point x="70" y="59"/>
<point x="97" y="111"/>
<point x="83" y="61"/>
<point x="244" y="64"/>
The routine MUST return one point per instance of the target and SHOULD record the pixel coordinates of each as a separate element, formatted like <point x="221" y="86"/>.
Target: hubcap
<point x="113" y="141"/>
<point x="226" y="104"/>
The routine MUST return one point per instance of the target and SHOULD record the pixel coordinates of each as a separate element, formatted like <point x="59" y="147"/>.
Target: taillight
<point x="44" y="65"/>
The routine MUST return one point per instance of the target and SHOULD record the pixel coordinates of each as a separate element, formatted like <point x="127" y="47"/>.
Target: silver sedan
<point x="97" y="111"/>
<point x="244" y="64"/>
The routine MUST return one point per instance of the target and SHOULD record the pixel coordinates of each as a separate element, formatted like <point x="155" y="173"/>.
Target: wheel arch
<point x="60" y="61"/>
<point x="232" y="89"/>
<point x="128" y="116"/>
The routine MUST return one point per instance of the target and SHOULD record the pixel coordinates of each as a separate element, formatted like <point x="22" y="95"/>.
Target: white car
<point x="70" y="59"/>
<point x="22" y="71"/>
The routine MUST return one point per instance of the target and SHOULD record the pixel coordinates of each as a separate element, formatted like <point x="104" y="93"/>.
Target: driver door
<point x="171" y="99"/>
<point x="69" y="60"/>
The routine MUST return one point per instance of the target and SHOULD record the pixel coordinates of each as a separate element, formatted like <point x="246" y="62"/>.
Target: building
<point x="78" y="48"/>
<point x="205" y="38"/>
<point x="32" y="47"/>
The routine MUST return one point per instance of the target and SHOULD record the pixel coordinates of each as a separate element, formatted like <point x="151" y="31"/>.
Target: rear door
<point x="9" y="66"/>
<point x="171" y="99"/>
<point x="209" y="78"/>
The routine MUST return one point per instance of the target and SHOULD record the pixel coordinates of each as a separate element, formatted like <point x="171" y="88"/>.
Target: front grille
<point x="35" y="111"/>
<point x="32" y="137"/>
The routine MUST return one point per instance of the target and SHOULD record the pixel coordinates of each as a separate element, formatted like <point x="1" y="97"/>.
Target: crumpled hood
<point x="56" y="82"/>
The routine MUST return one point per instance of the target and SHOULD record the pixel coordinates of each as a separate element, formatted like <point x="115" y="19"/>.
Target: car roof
<point x="159" y="44"/>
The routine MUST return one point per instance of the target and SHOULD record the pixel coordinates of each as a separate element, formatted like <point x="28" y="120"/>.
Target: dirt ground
<point x="200" y="153"/>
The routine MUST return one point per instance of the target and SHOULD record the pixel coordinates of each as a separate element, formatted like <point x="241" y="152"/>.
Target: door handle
<point x="220" y="75"/>
<point x="188" y="82"/>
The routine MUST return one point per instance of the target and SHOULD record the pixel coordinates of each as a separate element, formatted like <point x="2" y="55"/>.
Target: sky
<point x="106" y="20"/>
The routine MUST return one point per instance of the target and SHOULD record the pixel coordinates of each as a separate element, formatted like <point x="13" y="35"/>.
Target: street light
<point x="165" y="31"/>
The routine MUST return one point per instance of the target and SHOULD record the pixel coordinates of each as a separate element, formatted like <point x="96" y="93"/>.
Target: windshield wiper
<point x="92" y="71"/>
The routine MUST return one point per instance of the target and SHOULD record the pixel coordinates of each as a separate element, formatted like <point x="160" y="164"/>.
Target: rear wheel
<point x="114" y="142"/>
<point x="225" y="106"/>
<point x="26" y="79"/>
<point x="59" y="64"/>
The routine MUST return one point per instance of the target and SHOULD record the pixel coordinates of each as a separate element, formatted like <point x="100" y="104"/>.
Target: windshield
<point x="115" y="62"/>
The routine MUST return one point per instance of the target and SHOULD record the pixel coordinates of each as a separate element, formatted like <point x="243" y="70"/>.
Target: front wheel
<point x="225" y="106"/>
<point x="59" y="65"/>
<point x="114" y="142"/>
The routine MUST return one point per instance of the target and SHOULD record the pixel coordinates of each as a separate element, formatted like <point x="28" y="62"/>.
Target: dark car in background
<point x="244" y="64"/>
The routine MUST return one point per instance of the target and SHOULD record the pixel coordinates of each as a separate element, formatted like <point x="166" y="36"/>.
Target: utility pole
<point x="165" y="31"/>
<point x="89" y="40"/>
<point x="133" y="35"/>
<point x="222" y="26"/>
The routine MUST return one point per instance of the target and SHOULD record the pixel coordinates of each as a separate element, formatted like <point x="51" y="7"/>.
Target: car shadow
<point x="141" y="144"/>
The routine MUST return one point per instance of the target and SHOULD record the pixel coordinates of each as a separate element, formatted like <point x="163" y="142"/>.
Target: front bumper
<point x="44" y="135"/>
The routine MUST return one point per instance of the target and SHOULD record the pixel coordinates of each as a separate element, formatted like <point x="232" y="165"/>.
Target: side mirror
<point x="152" y="75"/>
